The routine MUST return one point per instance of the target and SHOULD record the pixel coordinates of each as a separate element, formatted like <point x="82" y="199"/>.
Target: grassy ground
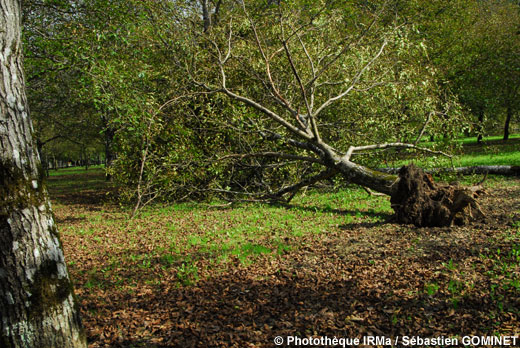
<point x="193" y="275"/>
<point x="493" y="151"/>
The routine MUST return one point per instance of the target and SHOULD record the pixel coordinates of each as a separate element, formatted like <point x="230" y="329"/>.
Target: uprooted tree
<point x="323" y="76"/>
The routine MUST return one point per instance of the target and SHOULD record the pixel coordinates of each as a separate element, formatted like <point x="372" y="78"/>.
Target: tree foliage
<point x="145" y="79"/>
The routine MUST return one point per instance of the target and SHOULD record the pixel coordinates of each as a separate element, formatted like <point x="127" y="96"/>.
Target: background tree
<point x="64" y="122"/>
<point x="475" y="45"/>
<point x="36" y="295"/>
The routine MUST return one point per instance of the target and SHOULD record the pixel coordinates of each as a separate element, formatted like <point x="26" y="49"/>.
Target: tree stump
<point x="420" y="201"/>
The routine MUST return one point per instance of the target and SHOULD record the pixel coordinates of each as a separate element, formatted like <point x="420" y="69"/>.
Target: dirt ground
<point x="363" y="279"/>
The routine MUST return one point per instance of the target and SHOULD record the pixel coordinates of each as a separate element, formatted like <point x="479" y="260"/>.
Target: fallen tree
<point x="272" y="62"/>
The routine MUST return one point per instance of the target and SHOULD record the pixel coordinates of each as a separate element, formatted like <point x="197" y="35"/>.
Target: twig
<point x="354" y="81"/>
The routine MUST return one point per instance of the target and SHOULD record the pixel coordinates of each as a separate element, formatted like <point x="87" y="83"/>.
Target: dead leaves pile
<point x="356" y="280"/>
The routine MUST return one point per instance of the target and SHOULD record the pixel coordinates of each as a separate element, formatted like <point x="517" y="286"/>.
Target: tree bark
<point x="206" y="17"/>
<point x="509" y="114"/>
<point x="109" y="141"/>
<point x="37" y="302"/>
<point x="480" y="126"/>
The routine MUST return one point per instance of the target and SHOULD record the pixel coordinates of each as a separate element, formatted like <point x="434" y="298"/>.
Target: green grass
<point x="246" y="231"/>
<point x="488" y="139"/>
<point x="491" y="152"/>
<point x="75" y="170"/>
<point x="180" y="235"/>
<point x="325" y="244"/>
<point x="76" y="180"/>
<point x="184" y="233"/>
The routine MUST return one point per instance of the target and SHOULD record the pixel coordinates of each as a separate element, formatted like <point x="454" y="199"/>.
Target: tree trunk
<point x="509" y="114"/>
<point x="37" y="302"/>
<point x="373" y="179"/>
<point x="206" y="17"/>
<point x="415" y="197"/>
<point x="483" y="170"/>
<point x="109" y="141"/>
<point x="480" y="126"/>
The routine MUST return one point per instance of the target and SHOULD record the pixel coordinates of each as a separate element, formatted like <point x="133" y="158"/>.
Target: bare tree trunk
<point x="37" y="302"/>
<point x="366" y="177"/>
<point x="206" y="17"/>
<point x="483" y="170"/>
<point x="109" y="141"/>
<point x="509" y="114"/>
<point x="480" y="126"/>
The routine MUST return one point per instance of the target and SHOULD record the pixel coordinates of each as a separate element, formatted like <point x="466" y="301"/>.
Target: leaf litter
<point x="139" y="285"/>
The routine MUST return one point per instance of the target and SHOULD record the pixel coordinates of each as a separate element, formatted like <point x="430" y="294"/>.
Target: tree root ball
<point x="420" y="201"/>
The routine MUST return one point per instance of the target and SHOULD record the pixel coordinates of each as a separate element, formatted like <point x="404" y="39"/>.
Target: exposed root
<point x="372" y="193"/>
<point x="420" y="201"/>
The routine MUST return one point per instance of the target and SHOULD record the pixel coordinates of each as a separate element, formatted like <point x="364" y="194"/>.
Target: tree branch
<point x="352" y="149"/>
<point x="304" y="146"/>
<point x="423" y="129"/>
<point x="354" y="81"/>
<point x="293" y="189"/>
<point x="274" y="116"/>
<point x="267" y="63"/>
<point x="344" y="49"/>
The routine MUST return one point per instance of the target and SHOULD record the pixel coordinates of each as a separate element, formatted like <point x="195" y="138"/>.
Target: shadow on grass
<point x="70" y="219"/>
<point x="239" y="311"/>
<point x="89" y="189"/>
<point x="94" y="200"/>
<point x="354" y="298"/>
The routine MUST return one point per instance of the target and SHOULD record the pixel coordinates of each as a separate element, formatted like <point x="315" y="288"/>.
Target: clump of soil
<point x="422" y="202"/>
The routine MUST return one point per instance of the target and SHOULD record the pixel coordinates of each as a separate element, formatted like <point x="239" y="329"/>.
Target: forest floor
<point x="330" y="264"/>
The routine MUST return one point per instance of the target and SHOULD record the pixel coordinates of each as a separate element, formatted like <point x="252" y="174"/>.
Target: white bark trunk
<point x="36" y="297"/>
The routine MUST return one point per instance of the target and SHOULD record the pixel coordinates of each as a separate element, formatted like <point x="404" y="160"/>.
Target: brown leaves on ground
<point x="354" y="280"/>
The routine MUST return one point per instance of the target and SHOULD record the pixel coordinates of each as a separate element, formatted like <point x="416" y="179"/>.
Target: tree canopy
<point x="192" y="99"/>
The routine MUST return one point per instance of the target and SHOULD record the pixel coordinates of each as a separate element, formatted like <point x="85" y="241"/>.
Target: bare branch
<point x="353" y="149"/>
<point x="301" y="145"/>
<point x="372" y="193"/>
<point x="273" y="115"/>
<point x="423" y="129"/>
<point x="229" y="42"/>
<point x="313" y="70"/>
<point x="267" y="62"/>
<point x="300" y="84"/>
<point x="373" y="85"/>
